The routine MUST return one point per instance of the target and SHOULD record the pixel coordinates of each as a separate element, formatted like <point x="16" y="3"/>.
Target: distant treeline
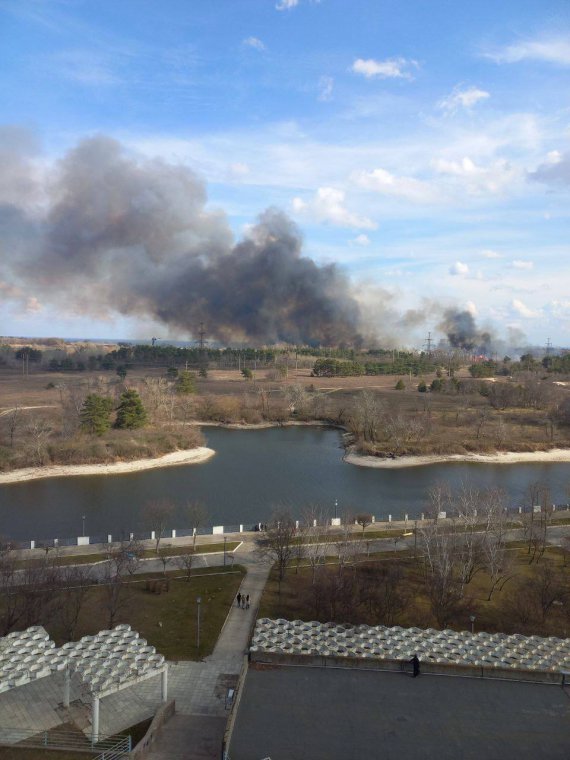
<point x="402" y="365"/>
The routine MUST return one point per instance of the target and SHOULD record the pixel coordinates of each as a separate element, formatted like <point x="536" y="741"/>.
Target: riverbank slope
<point x="503" y="457"/>
<point x="188" y="456"/>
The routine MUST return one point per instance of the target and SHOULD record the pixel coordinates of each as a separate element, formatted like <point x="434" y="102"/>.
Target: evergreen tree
<point x="400" y="385"/>
<point x="131" y="412"/>
<point x="94" y="414"/>
<point x="186" y="382"/>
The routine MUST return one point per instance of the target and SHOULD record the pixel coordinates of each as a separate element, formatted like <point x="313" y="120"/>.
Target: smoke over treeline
<point x="134" y="236"/>
<point x="105" y="232"/>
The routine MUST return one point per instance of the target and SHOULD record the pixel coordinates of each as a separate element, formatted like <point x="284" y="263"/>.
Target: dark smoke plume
<point x="462" y="331"/>
<point x="120" y="234"/>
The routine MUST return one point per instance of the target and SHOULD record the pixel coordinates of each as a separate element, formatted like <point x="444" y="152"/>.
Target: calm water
<point x="252" y="471"/>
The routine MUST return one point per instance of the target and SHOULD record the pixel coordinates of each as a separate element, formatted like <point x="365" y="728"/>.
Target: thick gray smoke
<point x="133" y="236"/>
<point x="462" y="331"/>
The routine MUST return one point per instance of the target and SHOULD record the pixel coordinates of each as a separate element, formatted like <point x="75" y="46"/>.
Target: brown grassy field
<point x="405" y="421"/>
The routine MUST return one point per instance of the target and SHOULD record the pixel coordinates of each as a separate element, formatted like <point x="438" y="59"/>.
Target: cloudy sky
<point x="424" y="146"/>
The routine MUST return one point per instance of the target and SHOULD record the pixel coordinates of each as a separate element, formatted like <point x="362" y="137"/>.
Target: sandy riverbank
<point x="507" y="457"/>
<point x="189" y="456"/>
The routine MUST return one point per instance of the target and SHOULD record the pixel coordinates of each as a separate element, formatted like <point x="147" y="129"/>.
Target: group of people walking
<point x="243" y="601"/>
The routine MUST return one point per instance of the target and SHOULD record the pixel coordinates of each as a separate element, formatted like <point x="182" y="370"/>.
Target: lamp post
<point x="335" y="507"/>
<point x="83" y="525"/>
<point x="198" y="602"/>
<point x="472" y="619"/>
<point x="225" y="539"/>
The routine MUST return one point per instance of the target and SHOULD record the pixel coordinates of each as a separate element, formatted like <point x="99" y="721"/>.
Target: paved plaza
<point x="295" y="713"/>
<point x="200" y="690"/>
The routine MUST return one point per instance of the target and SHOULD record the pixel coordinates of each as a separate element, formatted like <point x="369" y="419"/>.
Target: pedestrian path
<point x="200" y="688"/>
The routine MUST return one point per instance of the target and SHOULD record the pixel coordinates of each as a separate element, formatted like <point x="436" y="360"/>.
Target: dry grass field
<point x="382" y="421"/>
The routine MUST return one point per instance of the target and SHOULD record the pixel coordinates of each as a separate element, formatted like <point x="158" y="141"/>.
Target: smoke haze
<point x="134" y="236"/>
<point x="105" y="232"/>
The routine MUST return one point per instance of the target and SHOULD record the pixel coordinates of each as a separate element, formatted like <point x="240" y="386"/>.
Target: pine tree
<point x="186" y="382"/>
<point x="131" y="412"/>
<point x="94" y="414"/>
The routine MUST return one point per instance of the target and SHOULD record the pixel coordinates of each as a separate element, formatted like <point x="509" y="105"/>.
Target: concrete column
<point x="56" y="541"/>
<point x="373" y="519"/>
<point x="152" y="535"/>
<point x="66" y="687"/>
<point x="314" y="523"/>
<point x="520" y="510"/>
<point x="296" y="524"/>
<point x="32" y="544"/>
<point x="164" y="685"/>
<point x="173" y="532"/>
<point x="422" y="517"/>
<point x="131" y="536"/>
<point x="241" y="528"/>
<point x="406" y="517"/>
<point x="95" y="720"/>
<point x="389" y="518"/>
<point x="109" y="539"/>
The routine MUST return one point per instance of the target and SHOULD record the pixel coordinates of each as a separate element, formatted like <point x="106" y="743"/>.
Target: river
<point x="253" y="471"/>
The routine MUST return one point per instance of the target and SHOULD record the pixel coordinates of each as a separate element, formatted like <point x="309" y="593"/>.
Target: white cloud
<point x="463" y="99"/>
<point x="33" y="306"/>
<point x="286" y="5"/>
<point x="255" y="43"/>
<point x="459" y="269"/>
<point x="489" y="254"/>
<point x="478" y="180"/>
<point x="391" y="68"/>
<point x="471" y="308"/>
<point x="381" y="181"/>
<point x="326" y="85"/>
<point x="550" y="50"/>
<point x="523" y="310"/>
<point x="362" y="240"/>
<point x="520" y="264"/>
<point x="328" y="206"/>
<point x="238" y="170"/>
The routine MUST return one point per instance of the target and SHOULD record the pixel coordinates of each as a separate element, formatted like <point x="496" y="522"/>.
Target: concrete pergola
<point x="105" y="663"/>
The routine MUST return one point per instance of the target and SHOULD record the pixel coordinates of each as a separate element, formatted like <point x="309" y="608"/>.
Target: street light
<point x="335" y="507"/>
<point x="83" y="525"/>
<point x="198" y="602"/>
<point x="225" y="539"/>
<point x="472" y="619"/>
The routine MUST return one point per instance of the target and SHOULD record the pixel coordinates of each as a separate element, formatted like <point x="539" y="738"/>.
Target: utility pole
<point x="548" y="346"/>
<point x="428" y="343"/>
<point x="201" y="334"/>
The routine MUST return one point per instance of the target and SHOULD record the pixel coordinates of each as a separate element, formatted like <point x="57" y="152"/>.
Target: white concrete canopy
<point x="105" y="663"/>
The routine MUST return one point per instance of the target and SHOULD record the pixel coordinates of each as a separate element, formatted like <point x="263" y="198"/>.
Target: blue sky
<point x="422" y="145"/>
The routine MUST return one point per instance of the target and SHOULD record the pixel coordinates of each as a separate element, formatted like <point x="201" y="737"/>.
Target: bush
<point x="422" y="387"/>
<point x="400" y="385"/>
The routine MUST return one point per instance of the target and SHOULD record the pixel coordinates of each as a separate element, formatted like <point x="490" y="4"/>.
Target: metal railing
<point x="107" y="749"/>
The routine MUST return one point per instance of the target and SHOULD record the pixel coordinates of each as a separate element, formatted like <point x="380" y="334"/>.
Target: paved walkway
<point x="200" y="688"/>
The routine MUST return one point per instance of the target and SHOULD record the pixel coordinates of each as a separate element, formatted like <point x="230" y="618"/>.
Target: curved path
<point x="200" y="688"/>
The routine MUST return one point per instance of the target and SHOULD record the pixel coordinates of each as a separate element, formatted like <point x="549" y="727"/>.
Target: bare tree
<point x="546" y="588"/>
<point x="277" y="541"/>
<point x="165" y="557"/>
<point x="157" y="516"/>
<point x="313" y="532"/>
<point x="13" y="418"/>
<point x="364" y="519"/>
<point x="185" y="562"/>
<point x="73" y="587"/>
<point x="115" y="587"/>
<point x="196" y="515"/>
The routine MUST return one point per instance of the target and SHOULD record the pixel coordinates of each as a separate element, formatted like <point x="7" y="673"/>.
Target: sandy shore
<point x="507" y="457"/>
<point x="189" y="456"/>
